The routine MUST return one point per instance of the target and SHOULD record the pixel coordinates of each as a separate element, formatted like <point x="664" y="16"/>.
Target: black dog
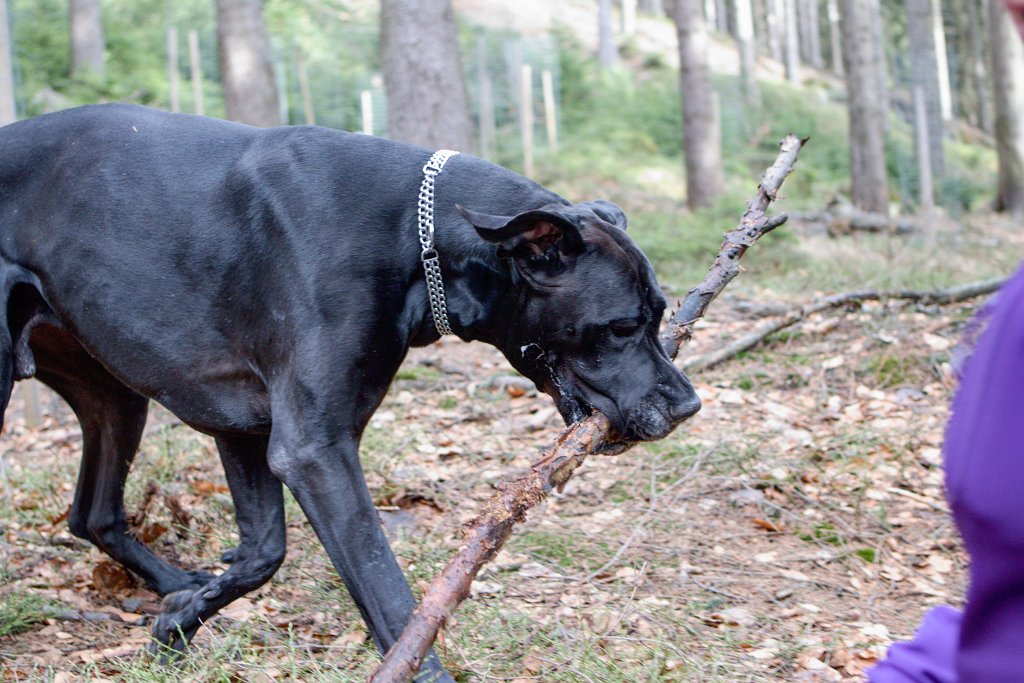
<point x="265" y="285"/>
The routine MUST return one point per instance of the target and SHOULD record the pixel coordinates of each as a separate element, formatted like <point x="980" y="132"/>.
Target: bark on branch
<point x="485" y="534"/>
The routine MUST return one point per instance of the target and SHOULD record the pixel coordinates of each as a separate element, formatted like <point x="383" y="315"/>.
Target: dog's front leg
<point x="326" y="478"/>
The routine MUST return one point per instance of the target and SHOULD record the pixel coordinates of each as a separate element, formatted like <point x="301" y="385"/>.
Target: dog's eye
<point x="625" y="328"/>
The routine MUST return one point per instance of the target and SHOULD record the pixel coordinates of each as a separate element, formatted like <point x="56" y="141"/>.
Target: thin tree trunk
<point x="653" y="7"/>
<point x="869" y="182"/>
<point x="607" y="52"/>
<point x="8" y="111"/>
<point x="748" y="55"/>
<point x="774" y="18"/>
<point x="246" y="67"/>
<point x="85" y="20"/>
<point x="834" y="35"/>
<point x="812" y="22"/>
<point x="701" y="134"/>
<point x="792" y="42"/>
<point x="722" y="16"/>
<point x="427" y="103"/>
<point x="874" y="9"/>
<point x="1008" y="86"/>
<point x="977" y="19"/>
<point x="925" y="74"/>
<point x="628" y="17"/>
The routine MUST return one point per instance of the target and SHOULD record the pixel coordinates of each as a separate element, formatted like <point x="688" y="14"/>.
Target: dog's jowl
<point x="265" y="285"/>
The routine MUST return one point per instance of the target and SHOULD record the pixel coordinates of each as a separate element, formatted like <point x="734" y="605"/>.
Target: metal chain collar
<point x="431" y="268"/>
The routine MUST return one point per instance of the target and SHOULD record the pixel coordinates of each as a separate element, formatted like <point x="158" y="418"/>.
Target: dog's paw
<point x="229" y="555"/>
<point x="175" y="626"/>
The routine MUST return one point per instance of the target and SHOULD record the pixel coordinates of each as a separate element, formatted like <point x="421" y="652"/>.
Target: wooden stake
<point x="366" y="104"/>
<point x="486" y="100"/>
<point x="307" y="95"/>
<point x="526" y="117"/>
<point x="197" y="72"/>
<point x="550" y="114"/>
<point x="173" y="77"/>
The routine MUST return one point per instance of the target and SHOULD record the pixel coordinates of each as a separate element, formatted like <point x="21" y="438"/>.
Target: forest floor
<point x="789" y="532"/>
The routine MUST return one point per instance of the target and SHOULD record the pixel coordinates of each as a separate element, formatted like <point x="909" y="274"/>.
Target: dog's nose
<point x="686" y="406"/>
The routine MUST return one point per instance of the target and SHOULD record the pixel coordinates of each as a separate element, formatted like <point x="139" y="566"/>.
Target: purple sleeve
<point x="929" y="657"/>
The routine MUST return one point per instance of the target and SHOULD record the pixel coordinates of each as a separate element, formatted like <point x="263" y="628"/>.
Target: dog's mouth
<point x="648" y="421"/>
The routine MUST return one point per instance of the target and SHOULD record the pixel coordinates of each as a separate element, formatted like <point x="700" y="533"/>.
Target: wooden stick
<point x="486" y="533"/>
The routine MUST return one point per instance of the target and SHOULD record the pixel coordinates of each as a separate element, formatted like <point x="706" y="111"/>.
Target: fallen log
<point x="748" y="341"/>
<point x="485" y="534"/>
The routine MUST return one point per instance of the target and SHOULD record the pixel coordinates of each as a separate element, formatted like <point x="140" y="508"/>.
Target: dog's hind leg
<point x="259" y="506"/>
<point x="112" y="417"/>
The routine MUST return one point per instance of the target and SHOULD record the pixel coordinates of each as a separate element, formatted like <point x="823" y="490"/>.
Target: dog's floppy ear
<point x="608" y="212"/>
<point x="530" y="233"/>
<point x="543" y="243"/>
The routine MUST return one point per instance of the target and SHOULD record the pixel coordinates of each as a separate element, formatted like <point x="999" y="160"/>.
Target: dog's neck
<point x="482" y="290"/>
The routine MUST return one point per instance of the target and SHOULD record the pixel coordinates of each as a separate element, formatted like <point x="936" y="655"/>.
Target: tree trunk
<point x="423" y="78"/>
<point x="85" y="20"/>
<point x="813" y="31"/>
<point x="607" y="52"/>
<point x="869" y="183"/>
<point x="701" y="134"/>
<point x="774" y="11"/>
<point x="7" y="100"/>
<point x="836" y="42"/>
<point x="246" y="67"/>
<point x="874" y="10"/>
<point x="792" y="37"/>
<point x="1008" y="86"/>
<point x="748" y="55"/>
<point x="977" y="17"/>
<point x="925" y="74"/>
<point x="653" y="7"/>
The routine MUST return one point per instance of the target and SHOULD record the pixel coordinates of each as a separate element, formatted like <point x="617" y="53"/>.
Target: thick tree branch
<point x="486" y="534"/>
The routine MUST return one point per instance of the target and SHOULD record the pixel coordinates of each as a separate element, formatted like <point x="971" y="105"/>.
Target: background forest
<point x="791" y="531"/>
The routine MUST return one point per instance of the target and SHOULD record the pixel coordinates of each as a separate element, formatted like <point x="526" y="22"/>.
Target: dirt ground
<point x="790" y="531"/>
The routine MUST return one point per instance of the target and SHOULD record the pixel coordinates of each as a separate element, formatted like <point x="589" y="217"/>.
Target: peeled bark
<point x="701" y="133"/>
<point x="1008" y="87"/>
<point x="868" y="178"/>
<point x="427" y="103"/>
<point x="85" y="20"/>
<point x="246" y="67"/>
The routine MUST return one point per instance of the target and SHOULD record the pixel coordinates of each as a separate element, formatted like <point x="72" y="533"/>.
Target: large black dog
<point x="264" y="286"/>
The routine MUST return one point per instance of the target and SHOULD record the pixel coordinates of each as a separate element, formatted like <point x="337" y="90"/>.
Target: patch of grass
<point x="889" y="370"/>
<point x="417" y="373"/>
<point x="869" y="555"/>
<point x="23" y="612"/>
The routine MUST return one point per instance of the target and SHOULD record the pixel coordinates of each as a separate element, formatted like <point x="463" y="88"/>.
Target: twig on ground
<point x="795" y="315"/>
<point x="486" y="534"/>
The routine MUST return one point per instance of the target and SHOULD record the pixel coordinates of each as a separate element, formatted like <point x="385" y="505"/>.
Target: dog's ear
<point x="608" y="212"/>
<point x="543" y="243"/>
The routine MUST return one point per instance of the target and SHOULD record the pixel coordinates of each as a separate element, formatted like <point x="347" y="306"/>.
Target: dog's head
<point x="585" y="325"/>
